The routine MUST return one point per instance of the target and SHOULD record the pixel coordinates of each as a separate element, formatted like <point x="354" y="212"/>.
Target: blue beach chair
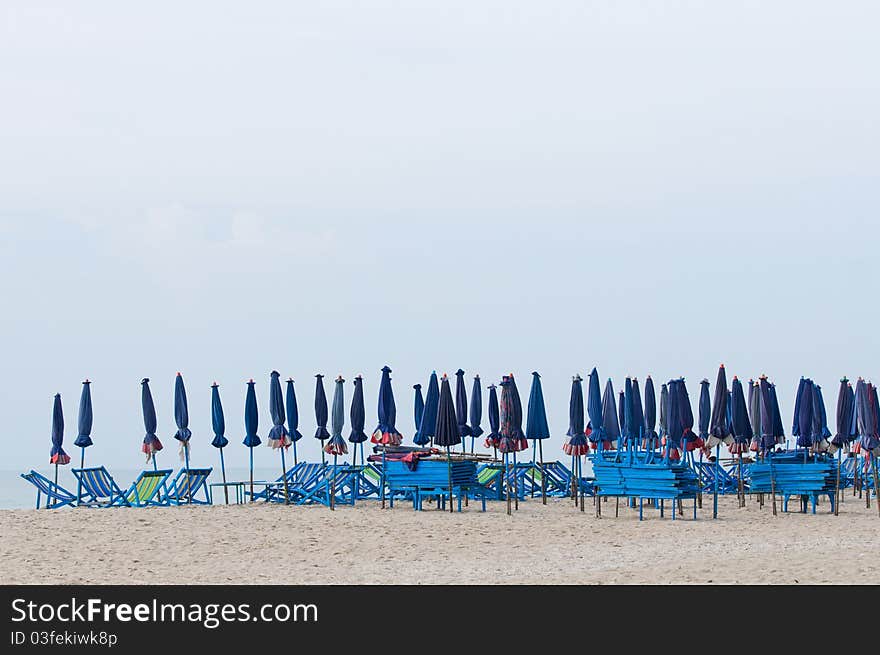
<point x="97" y="488"/>
<point x="56" y="495"/>
<point x="186" y="486"/>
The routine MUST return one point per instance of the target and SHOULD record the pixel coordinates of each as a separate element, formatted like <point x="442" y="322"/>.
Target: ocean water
<point x="17" y="493"/>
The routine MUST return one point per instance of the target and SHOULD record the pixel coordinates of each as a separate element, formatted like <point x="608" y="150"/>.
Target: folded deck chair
<point x="301" y="475"/>
<point x="186" y="486"/>
<point x="97" y="487"/>
<point x="56" y="495"/>
<point x="145" y="490"/>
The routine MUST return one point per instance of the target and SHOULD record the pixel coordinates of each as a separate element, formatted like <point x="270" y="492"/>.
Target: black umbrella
<point x="447" y="433"/>
<point x="358" y="416"/>
<point x="476" y="411"/>
<point x="718" y="428"/>
<point x="321" y="414"/>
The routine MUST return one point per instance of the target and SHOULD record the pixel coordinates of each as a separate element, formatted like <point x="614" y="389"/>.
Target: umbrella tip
<point x="290" y="379"/>
<point x="145" y="380"/>
<point x="251" y="381"/>
<point x="87" y="381"/>
<point x="477" y="376"/>
<point x="722" y="365"/>
<point x="275" y="374"/>
<point x="339" y="378"/>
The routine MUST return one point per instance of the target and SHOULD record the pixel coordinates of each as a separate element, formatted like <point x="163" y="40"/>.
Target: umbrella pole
<point x="153" y="457"/>
<point x="333" y="484"/>
<point x="188" y="485"/>
<point x="700" y="482"/>
<point x="580" y="475"/>
<point x="573" y="489"/>
<point x="382" y="479"/>
<point x="515" y="484"/>
<point x="543" y="477"/>
<point x="741" y="495"/>
<point x="837" y="493"/>
<point x="715" y="492"/>
<point x="532" y="469"/>
<point x="82" y="465"/>
<point x="284" y="477"/>
<point x="323" y="459"/>
<point x="223" y="471"/>
<point x="772" y="485"/>
<point x="449" y="471"/>
<point x="876" y="483"/>
<point x="294" y="455"/>
<point x="251" y="449"/>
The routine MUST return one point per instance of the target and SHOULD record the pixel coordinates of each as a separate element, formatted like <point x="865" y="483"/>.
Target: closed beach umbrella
<point x="151" y="443"/>
<point x="576" y="445"/>
<point x="461" y="406"/>
<point x="537" y="428"/>
<point x="57" y="456"/>
<point x="447" y="432"/>
<point x="650" y="414"/>
<point x="476" y="410"/>
<point x="690" y="439"/>
<point x="321" y="414"/>
<point x="218" y="423"/>
<point x="621" y="413"/>
<point x="513" y="439"/>
<point x="386" y="433"/>
<point x="418" y="405"/>
<point x="84" y="428"/>
<point x="755" y="412"/>
<point x="638" y="414"/>
<point x="493" y="439"/>
<point x="595" y="430"/>
<point x="336" y="445"/>
<point x="428" y="424"/>
<point x="778" y="429"/>
<point x="279" y="437"/>
<point x="823" y="416"/>
<point x="742" y="428"/>
<point x="628" y="427"/>
<point x="358" y="416"/>
<point x="664" y="401"/>
<point x="251" y="424"/>
<point x="767" y="437"/>
<point x="843" y="434"/>
<point x="674" y="424"/>
<point x="719" y="428"/>
<point x="181" y="418"/>
<point x="292" y="417"/>
<point x="610" y="419"/>
<point x="802" y="427"/>
<point x="704" y="411"/>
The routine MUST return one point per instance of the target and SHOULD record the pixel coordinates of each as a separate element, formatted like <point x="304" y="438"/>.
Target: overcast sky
<point x="224" y="189"/>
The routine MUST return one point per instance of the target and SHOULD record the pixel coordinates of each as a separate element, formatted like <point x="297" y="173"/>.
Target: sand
<point x="367" y="545"/>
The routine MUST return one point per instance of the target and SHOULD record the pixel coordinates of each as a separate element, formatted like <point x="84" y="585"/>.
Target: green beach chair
<point x="144" y="491"/>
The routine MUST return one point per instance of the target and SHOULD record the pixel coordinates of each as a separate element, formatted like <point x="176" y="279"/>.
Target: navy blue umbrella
<point x="151" y="443"/>
<point x="631" y="431"/>
<point x="650" y="415"/>
<point x="741" y="428"/>
<point x="843" y="435"/>
<point x="690" y="440"/>
<point x="638" y="414"/>
<point x="778" y="429"/>
<point x="823" y="415"/>
<point x="674" y="420"/>
<point x="461" y="406"/>
<point x="428" y="423"/>
<point x="321" y="414"/>
<point x="279" y="437"/>
<point x="448" y="431"/>
<point x="476" y="411"/>
<point x="418" y="405"/>
<point x="218" y="423"/>
<point x="802" y="426"/>
<point x="358" y="416"/>
<point x="537" y="429"/>
<point x="386" y="432"/>
<point x="621" y="413"/>
<point x="84" y="429"/>
<point x="292" y="417"/>
<point x="719" y="428"/>
<point x="494" y="437"/>
<point x="664" y="401"/>
<point x="704" y="411"/>
<point x="57" y="455"/>
<point x="251" y="424"/>
<point x="576" y="445"/>
<point x="181" y="418"/>
<point x="595" y="430"/>
<point x="337" y="446"/>
<point x="767" y="436"/>
<point x="610" y="419"/>
<point x="512" y="437"/>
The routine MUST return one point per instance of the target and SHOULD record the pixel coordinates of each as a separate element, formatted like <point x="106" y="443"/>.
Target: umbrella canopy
<point x="84" y="422"/>
<point x="493" y="439"/>
<point x="664" y="401"/>
<point x="536" y="424"/>
<point x="418" y="405"/>
<point x="151" y="441"/>
<point x="181" y="415"/>
<point x="57" y="454"/>
<point x="629" y="429"/>
<point x="823" y="414"/>
<point x="386" y="433"/>
<point x="337" y="445"/>
<point x="650" y="410"/>
<point x="704" y="410"/>
<point x="447" y="432"/>
<point x="218" y="421"/>
<point x="690" y="439"/>
<point x="595" y="431"/>
<point x="610" y="419"/>
<point x="476" y="408"/>
<point x="843" y="435"/>
<point x="292" y="412"/>
<point x="251" y="417"/>
<point x="802" y="426"/>
<point x="358" y="414"/>
<point x="461" y="404"/>
<point x="755" y="410"/>
<point x="778" y="429"/>
<point x="512" y="437"/>
<point x="577" y="444"/>
<point x="321" y="415"/>
<point x="719" y="426"/>
<point x="278" y="435"/>
<point x="865" y="418"/>
<point x="767" y="435"/>
<point x="741" y="426"/>
<point x="674" y="418"/>
<point x="428" y="424"/>
<point x="621" y="412"/>
<point x="638" y="415"/>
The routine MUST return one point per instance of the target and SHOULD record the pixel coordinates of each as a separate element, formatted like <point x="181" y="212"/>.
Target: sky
<point x="224" y="189"/>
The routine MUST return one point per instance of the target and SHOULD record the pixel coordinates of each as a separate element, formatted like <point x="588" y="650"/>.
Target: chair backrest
<point x="307" y="473"/>
<point x="46" y="486"/>
<point x="147" y="486"/>
<point x="97" y="482"/>
<point x="188" y="481"/>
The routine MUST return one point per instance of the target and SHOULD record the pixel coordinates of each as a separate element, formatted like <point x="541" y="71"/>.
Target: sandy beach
<point x="367" y="545"/>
